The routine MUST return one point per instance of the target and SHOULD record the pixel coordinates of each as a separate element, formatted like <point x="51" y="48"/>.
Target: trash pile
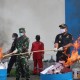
<point x="58" y="68"/>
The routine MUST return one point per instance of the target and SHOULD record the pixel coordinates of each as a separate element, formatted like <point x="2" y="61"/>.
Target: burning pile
<point x="74" y="55"/>
<point x="58" y="68"/>
<point x="1" y="54"/>
<point x="62" y="66"/>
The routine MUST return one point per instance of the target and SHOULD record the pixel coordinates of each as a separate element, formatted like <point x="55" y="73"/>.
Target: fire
<point x="74" y="55"/>
<point x="76" y="45"/>
<point x="68" y="63"/>
<point x="1" y="54"/>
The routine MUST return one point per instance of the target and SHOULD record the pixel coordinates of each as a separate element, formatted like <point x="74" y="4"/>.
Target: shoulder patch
<point x="67" y="36"/>
<point x="60" y="36"/>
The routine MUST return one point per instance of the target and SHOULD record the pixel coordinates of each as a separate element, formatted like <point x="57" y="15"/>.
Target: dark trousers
<point x="10" y="64"/>
<point x="61" y="56"/>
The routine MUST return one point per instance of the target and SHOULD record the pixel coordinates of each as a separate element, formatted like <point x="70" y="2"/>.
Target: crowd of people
<point x="64" y="39"/>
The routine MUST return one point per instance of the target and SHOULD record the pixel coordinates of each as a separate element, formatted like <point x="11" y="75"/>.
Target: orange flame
<point x="76" y="45"/>
<point x="1" y="54"/>
<point x="74" y="55"/>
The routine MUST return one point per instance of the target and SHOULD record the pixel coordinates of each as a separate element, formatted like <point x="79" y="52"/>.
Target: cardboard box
<point x="3" y="74"/>
<point x="3" y="71"/>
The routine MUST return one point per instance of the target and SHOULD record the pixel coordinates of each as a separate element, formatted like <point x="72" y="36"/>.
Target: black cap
<point x="15" y="35"/>
<point x="62" y="26"/>
<point x="21" y="30"/>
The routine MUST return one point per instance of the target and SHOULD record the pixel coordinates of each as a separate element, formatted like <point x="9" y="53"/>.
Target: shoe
<point x="22" y="76"/>
<point x="8" y="75"/>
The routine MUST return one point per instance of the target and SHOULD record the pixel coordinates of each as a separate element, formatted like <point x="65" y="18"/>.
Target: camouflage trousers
<point x="22" y="68"/>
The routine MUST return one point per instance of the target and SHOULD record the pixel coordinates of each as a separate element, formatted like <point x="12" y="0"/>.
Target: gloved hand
<point x="60" y="49"/>
<point x="28" y="56"/>
<point x="55" y="49"/>
<point x="15" y="51"/>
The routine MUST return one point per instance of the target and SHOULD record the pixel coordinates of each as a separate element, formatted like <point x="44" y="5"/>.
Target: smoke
<point x="5" y="33"/>
<point x="3" y="36"/>
<point x="39" y="15"/>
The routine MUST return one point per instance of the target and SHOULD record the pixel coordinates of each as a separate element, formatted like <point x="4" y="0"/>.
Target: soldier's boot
<point x="17" y="76"/>
<point x="22" y="78"/>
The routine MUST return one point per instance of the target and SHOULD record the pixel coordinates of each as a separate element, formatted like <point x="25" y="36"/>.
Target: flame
<point x="74" y="55"/>
<point x="71" y="60"/>
<point x="68" y="63"/>
<point x="76" y="45"/>
<point x="1" y="54"/>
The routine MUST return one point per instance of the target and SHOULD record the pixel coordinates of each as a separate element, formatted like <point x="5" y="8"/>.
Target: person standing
<point x="37" y="56"/>
<point x="63" y="40"/>
<point x="22" y="67"/>
<point x="13" y="58"/>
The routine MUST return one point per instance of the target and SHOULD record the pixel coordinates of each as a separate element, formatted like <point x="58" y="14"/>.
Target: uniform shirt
<point x="37" y="46"/>
<point x="13" y="47"/>
<point x="63" y="40"/>
<point x="23" y="44"/>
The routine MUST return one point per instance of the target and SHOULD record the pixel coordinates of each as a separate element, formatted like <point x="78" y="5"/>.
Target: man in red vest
<point x="37" y="56"/>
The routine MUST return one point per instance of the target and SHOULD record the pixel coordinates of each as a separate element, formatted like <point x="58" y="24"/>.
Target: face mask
<point x="62" y="30"/>
<point x="13" y="38"/>
<point x="21" y="34"/>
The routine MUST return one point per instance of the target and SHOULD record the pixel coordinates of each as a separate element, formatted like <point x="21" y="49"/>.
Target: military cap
<point x="62" y="26"/>
<point x="21" y="30"/>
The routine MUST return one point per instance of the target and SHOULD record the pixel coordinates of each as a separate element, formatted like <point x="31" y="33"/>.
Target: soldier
<point x="64" y="39"/>
<point x="22" y="67"/>
<point x="37" y="56"/>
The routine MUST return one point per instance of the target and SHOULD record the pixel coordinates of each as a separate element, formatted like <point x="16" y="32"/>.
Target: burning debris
<point x="74" y="55"/>
<point x="59" y="68"/>
<point x="3" y="65"/>
<point x="1" y="55"/>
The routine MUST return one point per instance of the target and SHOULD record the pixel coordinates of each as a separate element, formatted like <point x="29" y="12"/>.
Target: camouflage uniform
<point x="22" y="67"/>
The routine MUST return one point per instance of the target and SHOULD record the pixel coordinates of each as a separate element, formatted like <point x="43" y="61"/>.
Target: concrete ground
<point x="32" y="77"/>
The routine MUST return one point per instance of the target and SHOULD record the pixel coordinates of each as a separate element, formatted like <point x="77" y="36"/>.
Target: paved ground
<point x="32" y="77"/>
